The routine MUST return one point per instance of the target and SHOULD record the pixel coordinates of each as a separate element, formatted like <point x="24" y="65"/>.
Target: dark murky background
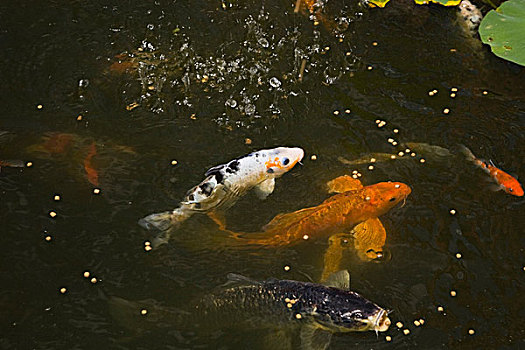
<point x="220" y="73"/>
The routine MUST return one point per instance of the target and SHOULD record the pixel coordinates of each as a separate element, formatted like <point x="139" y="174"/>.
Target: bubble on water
<point x="231" y="103"/>
<point x="150" y="26"/>
<point x="249" y="109"/>
<point x="274" y="82"/>
<point x="263" y="42"/>
<point x="83" y="83"/>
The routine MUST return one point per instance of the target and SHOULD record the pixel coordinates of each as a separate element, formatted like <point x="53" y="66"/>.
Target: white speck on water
<point x="274" y="82"/>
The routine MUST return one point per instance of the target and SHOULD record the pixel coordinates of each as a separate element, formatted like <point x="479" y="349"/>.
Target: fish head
<point x="384" y="196"/>
<point x="279" y="160"/>
<point x="513" y="187"/>
<point x="348" y="311"/>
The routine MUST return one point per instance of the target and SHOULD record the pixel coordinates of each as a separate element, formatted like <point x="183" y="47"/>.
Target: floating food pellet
<point x="94" y="280"/>
<point x="440" y="308"/>
<point x="431" y="93"/>
<point x="396" y="131"/>
<point x="446" y="111"/>
<point x="401" y="154"/>
<point x="367" y="198"/>
<point x="471" y="331"/>
<point x="348" y="53"/>
<point x="374" y="43"/>
<point x="422" y="160"/>
<point x="355" y="172"/>
<point x="148" y="248"/>
<point x="388" y="338"/>
<point x="485" y="92"/>
<point x="452" y="212"/>
<point x="305" y="237"/>
<point x="52" y="214"/>
<point x="370" y="167"/>
<point x="132" y="106"/>
<point x="399" y="325"/>
<point x="458" y="255"/>
<point x="412" y="154"/>
<point x="48" y="238"/>
<point x="453" y="50"/>
<point x="359" y="174"/>
<point x="248" y="141"/>
<point x="313" y="157"/>
<point x="452" y="95"/>
<point x="63" y="290"/>
<point x="298" y="316"/>
<point x="151" y="87"/>
<point x="29" y="164"/>
<point x="205" y="78"/>
<point x="370" y="68"/>
<point x="336" y="112"/>
<point x="393" y="156"/>
<point x="193" y="116"/>
<point x="174" y="162"/>
<point x="327" y="48"/>
<point x="407" y="151"/>
<point x="381" y="124"/>
<point x="289" y="305"/>
<point x="355" y="176"/>
<point x="287" y="268"/>
<point x="422" y="321"/>
<point x="286" y="300"/>
<point x="394" y="143"/>
<point x="454" y="89"/>
<point x="390" y="140"/>
<point x="79" y="118"/>
<point x="378" y="121"/>
<point x="406" y="331"/>
<point x="56" y="197"/>
<point x="39" y="106"/>
<point x="96" y="190"/>
<point x="147" y="243"/>
<point x="452" y="293"/>
<point x="372" y="160"/>
<point x="316" y="23"/>
<point x="86" y="274"/>
<point x="143" y="311"/>
<point x="347" y="111"/>
<point x="397" y="185"/>
<point x="417" y="323"/>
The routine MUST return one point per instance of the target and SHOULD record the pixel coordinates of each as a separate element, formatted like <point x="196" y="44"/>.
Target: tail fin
<point x="467" y="153"/>
<point x="165" y="220"/>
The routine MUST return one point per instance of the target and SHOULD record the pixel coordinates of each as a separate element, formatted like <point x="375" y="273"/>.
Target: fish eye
<point x="286" y="161"/>
<point x="269" y="171"/>
<point x="392" y="199"/>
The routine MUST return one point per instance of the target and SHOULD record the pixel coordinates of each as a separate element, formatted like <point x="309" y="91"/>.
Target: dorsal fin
<point x="236" y="279"/>
<point x="340" y="279"/>
<point x="284" y="220"/>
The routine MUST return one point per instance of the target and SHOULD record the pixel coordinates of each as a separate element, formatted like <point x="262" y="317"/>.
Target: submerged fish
<point x="352" y="205"/>
<point x="316" y="310"/>
<point x="12" y="163"/>
<point x="505" y="181"/>
<point x="226" y="183"/>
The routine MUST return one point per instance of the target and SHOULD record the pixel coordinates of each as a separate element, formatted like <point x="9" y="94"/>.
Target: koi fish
<point x="505" y="181"/>
<point x="317" y="310"/>
<point x="12" y="163"/>
<point x="353" y="204"/>
<point x="91" y="172"/>
<point x="226" y="183"/>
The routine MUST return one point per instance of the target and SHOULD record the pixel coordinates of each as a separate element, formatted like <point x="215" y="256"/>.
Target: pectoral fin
<point x="344" y="183"/>
<point x="314" y="337"/>
<point x="340" y="279"/>
<point x="370" y="237"/>
<point x="265" y="188"/>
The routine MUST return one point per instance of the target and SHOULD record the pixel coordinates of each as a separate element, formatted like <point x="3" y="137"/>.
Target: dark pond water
<point x="207" y="76"/>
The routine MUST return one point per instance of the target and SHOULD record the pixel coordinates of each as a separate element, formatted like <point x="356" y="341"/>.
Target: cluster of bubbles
<point x="245" y="78"/>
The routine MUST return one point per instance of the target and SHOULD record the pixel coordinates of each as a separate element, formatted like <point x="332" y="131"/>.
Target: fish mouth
<point x="382" y="322"/>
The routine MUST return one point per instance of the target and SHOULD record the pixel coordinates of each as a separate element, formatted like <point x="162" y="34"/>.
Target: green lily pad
<point x="504" y="30"/>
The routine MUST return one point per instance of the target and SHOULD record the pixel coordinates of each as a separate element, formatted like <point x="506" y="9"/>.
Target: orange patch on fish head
<point x="384" y="196"/>
<point x="513" y="187"/>
<point x="285" y="161"/>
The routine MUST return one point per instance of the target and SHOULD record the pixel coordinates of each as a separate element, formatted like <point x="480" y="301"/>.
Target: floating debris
<point x="248" y="141"/>
<point x="131" y="106"/>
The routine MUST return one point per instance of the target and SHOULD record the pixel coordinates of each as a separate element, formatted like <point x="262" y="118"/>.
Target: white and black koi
<point x="226" y="183"/>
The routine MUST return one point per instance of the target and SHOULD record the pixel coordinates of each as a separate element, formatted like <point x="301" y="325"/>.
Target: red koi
<point x="506" y="181"/>
<point x="92" y="174"/>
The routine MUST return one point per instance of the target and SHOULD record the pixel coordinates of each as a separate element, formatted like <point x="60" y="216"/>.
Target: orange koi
<point x="92" y="174"/>
<point x="353" y="205"/>
<point x="505" y="181"/>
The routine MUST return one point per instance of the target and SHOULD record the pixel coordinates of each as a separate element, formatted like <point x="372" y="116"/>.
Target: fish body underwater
<point x="505" y="181"/>
<point x="226" y="183"/>
<point x="341" y="211"/>
<point x="316" y="310"/>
